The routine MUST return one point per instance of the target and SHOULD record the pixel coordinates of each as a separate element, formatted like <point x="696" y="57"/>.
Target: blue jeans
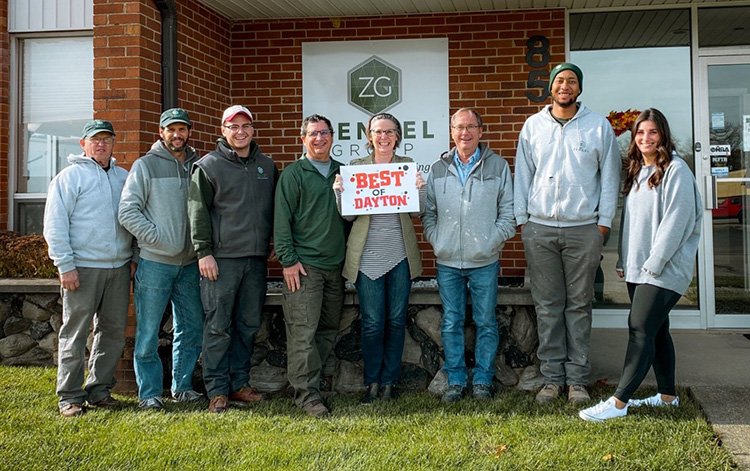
<point x="452" y="285"/>
<point x="155" y="284"/>
<point x="383" y="304"/>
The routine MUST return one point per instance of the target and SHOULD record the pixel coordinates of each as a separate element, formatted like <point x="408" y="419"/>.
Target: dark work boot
<point x="371" y="395"/>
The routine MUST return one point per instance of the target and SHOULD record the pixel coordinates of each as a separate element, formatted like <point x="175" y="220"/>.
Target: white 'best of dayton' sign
<point x="379" y="188"/>
<point x="349" y="81"/>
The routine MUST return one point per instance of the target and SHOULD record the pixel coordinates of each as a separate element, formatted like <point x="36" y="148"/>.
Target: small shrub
<point x="24" y="257"/>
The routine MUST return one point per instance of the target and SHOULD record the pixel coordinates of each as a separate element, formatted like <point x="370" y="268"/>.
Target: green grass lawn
<point x="415" y="432"/>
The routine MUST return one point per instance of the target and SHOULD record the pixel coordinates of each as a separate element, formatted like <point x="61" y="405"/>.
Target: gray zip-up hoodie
<point x="80" y="216"/>
<point x="153" y="206"/>
<point x="567" y="175"/>
<point x="661" y="229"/>
<point x="468" y="225"/>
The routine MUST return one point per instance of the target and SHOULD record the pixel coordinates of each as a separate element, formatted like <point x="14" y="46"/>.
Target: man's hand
<point x="291" y="276"/>
<point x="520" y="228"/>
<point x="603" y="230"/>
<point x="69" y="280"/>
<point x="338" y="184"/>
<point x="420" y="181"/>
<point x="133" y="269"/>
<point x="208" y="268"/>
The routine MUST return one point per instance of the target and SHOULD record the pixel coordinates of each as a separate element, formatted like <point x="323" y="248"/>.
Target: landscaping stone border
<point x="31" y="315"/>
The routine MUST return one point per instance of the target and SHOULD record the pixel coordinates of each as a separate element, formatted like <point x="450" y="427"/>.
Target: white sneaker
<point x="603" y="411"/>
<point x="653" y="401"/>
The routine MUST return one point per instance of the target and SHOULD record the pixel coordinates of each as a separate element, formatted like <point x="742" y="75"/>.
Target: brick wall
<point x="4" y="113"/>
<point x="259" y="64"/>
<point x="127" y="88"/>
<point x="127" y="71"/>
<point x="488" y="71"/>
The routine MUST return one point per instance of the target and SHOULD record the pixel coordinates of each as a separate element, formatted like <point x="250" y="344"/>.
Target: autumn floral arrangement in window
<point x="622" y="121"/>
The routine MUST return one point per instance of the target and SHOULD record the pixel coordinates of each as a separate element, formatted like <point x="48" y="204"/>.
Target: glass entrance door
<point x="723" y="167"/>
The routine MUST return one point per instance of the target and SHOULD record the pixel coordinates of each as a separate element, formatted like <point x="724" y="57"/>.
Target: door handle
<point x="710" y="192"/>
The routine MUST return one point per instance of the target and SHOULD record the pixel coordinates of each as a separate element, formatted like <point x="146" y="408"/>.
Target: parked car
<point x="729" y="207"/>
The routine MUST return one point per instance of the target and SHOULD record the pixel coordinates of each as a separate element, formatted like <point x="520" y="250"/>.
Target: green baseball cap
<point x="566" y="66"/>
<point x="174" y="115"/>
<point x="96" y="126"/>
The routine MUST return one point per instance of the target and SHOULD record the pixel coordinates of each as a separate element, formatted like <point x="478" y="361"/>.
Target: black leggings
<point x="649" y="342"/>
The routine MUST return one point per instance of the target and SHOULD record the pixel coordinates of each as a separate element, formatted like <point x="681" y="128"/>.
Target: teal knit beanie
<point x="566" y="66"/>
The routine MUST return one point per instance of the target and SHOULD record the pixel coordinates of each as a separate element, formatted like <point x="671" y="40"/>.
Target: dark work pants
<point x="233" y="305"/>
<point x="649" y="342"/>
<point x="312" y="315"/>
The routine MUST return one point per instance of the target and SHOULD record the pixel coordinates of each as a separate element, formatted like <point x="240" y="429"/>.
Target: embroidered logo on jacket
<point x="581" y="147"/>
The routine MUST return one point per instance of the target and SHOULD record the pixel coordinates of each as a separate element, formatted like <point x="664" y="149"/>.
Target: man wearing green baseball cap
<point x="565" y="197"/>
<point x="92" y="251"/>
<point x="154" y="210"/>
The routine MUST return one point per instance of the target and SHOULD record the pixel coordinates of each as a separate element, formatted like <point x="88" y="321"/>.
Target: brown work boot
<point x="549" y="393"/>
<point x="71" y="410"/>
<point x="316" y="408"/>
<point x="246" y="394"/>
<point x="218" y="404"/>
<point x="108" y="402"/>
<point x="577" y="394"/>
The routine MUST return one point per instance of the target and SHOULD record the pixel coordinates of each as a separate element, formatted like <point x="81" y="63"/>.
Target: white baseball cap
<point x="233" y="111"/>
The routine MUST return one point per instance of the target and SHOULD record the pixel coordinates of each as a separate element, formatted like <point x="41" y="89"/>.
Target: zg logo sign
<point x="374" y="86"/>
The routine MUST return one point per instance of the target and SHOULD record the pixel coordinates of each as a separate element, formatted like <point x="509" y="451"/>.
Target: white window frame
<point x="15" y="131"/>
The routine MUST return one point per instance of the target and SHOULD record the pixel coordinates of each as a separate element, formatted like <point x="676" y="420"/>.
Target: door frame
<point x="709" y="319"/>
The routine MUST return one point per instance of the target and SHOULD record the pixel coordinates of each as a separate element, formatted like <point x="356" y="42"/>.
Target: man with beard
<point x="154" y="209"/>
<point x="230" y="205"/>
<point x="566" y="184"/>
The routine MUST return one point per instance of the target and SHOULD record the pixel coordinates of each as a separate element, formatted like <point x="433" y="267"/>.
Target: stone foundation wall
<point x="30" y="323"/>
<point x="516" y="364"/>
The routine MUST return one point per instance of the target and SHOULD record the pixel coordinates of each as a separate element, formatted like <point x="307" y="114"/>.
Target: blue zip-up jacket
<point x="80" y="216"/>
<point x="468" y="225"/>
<point x="567" y="175"/>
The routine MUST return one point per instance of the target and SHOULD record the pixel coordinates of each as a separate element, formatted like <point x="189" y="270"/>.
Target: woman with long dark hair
<point x="658" y="241"/>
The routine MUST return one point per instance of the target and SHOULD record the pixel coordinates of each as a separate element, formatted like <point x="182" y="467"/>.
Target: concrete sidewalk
<point x="714" y="365"/>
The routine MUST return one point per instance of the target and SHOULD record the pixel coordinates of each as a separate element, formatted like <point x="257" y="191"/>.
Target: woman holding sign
<point x="382" y="257"/>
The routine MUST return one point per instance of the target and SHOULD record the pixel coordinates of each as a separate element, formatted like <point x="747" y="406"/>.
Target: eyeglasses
<point x="387" y="132"/>
<point x="236" y="127"/>
<point x="470" y="128"/>
<point x="102" y="140"/>
<point x="324" y="133"/>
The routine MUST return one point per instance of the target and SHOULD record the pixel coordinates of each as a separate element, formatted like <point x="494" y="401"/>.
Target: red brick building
<point x="252" y="54"/>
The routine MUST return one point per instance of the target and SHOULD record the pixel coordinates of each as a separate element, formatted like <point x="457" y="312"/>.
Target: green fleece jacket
<point x="307" y="225"/>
